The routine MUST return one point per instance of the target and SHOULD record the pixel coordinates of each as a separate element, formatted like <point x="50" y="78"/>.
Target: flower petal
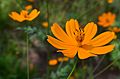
<point x="57" y="44"/>
<point x="90" y="31"/>
<point x="71" y="52"/>
<point x="102" y="39"/>
<point x="103" y="49"/>
<point x="83" y="54"/>
<point x="23" y="12"/>
<point x="61" y="35"/>
<point x="33" y="14"/>
<point x="71" y="27"/>
<point x="16" y="16"/>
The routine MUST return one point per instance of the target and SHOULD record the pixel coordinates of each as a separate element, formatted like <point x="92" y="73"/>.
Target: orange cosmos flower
<point x="110" y="1"/>
<point x="77" y="40"/>
<point x="114" y="29"/>
<point x="53" y="62"/>
<point x="24" y="15"/>
<point x="30" y="0"/>
<point x="60" y="59"/>
<point x="28" y="7"/>
<point x="45" y="24"/>
<point x="106" y="19"/>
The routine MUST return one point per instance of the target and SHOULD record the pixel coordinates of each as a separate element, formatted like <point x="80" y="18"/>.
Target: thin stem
<point x="48" y="20"/>
<point x="106" y="67"/>
<point x="27" y="39"/>
<point x="72" y="69"/>
<point x="47" y="6"/>
<point x="60" y="65"/>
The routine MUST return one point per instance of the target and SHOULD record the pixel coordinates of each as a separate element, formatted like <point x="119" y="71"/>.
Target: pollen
<point x="79" y="35"/>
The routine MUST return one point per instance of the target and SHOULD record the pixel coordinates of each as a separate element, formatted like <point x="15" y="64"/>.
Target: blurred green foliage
<point x="10" y="67"/>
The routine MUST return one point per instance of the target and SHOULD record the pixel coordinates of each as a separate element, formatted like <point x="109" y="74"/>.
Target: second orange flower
<point x="24" y="15"/>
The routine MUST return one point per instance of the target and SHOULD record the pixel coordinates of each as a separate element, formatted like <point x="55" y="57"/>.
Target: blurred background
<point x="44" y="61"/>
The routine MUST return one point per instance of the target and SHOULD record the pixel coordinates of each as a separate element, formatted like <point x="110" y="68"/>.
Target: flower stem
<point x="27" y="40"/>
<point x="72" y="69"/>
<point x="48" y="17"/>
<point x="47" y="32"/>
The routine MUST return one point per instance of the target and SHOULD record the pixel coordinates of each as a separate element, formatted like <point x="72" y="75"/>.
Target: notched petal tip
<point x="72" y="19"/>
<point x="90" y="31"/>
<point x="54" y="26"/>
<point x="38" y="12"/>
<point x="91" y="23"/>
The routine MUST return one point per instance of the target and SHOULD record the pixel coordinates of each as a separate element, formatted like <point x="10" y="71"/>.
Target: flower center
<point x="107" y="20"/>
<point x="79" y="36"/>
<point x="26" y="16"/>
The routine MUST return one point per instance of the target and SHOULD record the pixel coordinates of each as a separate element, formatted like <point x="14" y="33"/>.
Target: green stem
<point x="72" y="69"/>
<point x="47" y="6"/>
<point x="27" y="50"/>
<point x="48" y="20"/>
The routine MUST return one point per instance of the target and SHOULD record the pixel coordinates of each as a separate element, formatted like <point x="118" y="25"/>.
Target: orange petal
<point x="28" y="7"/>
<point x="101" y="18"/>
<point x="53" y="62"/>
<point x="33" y="14"/>
<point x="61" y="35"/>
<point x="71" y="27"/>
<point x="57" y="44"/>
<point x="103" y="49"/>
<point x="70" y="52"/>
<point x="90" y="31"/>
<point x="83" y="54"/>
<point x="102" y="39"/>
<point x="16" y="16"/>
<point x="24" y="13"/>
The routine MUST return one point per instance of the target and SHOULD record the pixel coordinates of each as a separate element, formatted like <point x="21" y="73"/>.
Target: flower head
<point x="30" y="0"/>
<point x="77" y="40"/>
<point x="110" y="1"/>
<point x="45" y="24"/>
<point x="53" y="62"/>
<point x="106" y="19"/>
<point x="24" y="15"/>
<point x="114" y="29"/>
<point x="60" y="59"/>
<point x="28" y="7"/>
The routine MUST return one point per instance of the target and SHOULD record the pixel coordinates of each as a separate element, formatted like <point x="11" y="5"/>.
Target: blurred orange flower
<point x="24" y="15"/>
<point x="28" y="7"/>
<point x="114" y="29"/>
<point x="45" y="24"/>
<point x="31" y="65"/>
<point x="72" y="77"/>
<point x="53" y="62"/>
<point x="76" y="39"/>
<point x="60" y="59"/>
<point x="110" y="1"/>
<point x="30" y="0"/>
<point x="106" y="19"/>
